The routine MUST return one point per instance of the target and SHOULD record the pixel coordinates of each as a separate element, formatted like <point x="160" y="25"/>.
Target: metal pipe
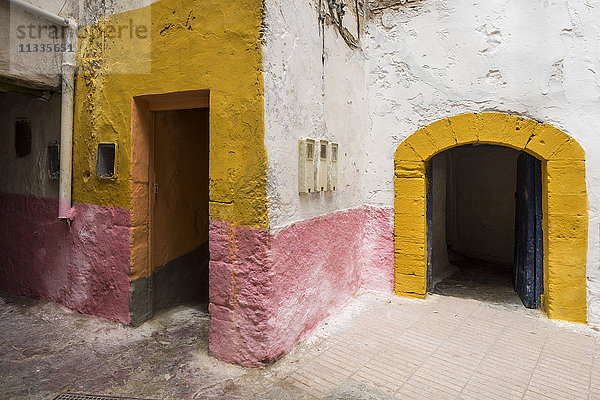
<point x="55" y="19"/>
<point x="68" y="95"/>
<point x="66" y="125"/>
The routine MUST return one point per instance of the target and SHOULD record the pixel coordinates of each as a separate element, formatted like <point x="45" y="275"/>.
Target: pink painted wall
<point x="378" y="250"/>
<point x="319" y="264"/>
<point x="84" y="266"/>
<point x="240" y="294"/>
<point x="317" y="268"/>
<point x="268" y="292"/>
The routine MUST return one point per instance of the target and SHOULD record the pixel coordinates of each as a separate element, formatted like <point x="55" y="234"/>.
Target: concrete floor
<point x="377" y="347"/>
<point x="479" y="280"/>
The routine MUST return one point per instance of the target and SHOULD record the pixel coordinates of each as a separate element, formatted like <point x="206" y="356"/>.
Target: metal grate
<point x="80" y="396"/>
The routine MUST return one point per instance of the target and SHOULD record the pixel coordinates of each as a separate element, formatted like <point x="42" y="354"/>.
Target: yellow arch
<point x="564" y="205"/>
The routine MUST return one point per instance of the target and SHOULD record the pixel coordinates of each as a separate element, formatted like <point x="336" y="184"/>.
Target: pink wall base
<point x="377" y="264"/>
<point x="84" y="265"/>
<point x="240" y="289"/>
<point x="268" y="292"/>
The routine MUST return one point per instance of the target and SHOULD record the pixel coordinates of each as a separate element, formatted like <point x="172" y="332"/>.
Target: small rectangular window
<point x="54" y="161"/>
<point x="105" y="160"/>
<point x="22" y="138"/>
<point x="334" y="152"/>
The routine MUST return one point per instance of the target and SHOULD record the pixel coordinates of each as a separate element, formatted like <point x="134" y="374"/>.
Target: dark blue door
<point x="429" y="219"/>
<point x="528" y="231"/>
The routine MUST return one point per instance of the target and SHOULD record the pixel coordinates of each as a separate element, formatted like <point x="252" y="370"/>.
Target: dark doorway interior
<point x="180" y="225"/>
<point x="479" y="224"/>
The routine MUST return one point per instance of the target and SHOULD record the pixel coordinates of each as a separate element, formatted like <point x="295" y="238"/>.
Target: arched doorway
<point x="485" y="225"/>
<point x="563" y="198"/>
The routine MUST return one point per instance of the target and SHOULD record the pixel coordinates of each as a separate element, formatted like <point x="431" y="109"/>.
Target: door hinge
<point x="156" y="188"/>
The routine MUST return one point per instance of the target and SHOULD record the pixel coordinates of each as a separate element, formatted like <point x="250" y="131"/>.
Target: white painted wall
<point x="306" y="96"/>
<point x="42" y="69"/>
<point x="28" y="175"/>
<point x="38" y="69"/>
<point x="439" y="58"/>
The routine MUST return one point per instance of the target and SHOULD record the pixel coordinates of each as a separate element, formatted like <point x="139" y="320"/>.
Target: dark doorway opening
<point x="484" y="225"/>
<point x="179" y="175"/>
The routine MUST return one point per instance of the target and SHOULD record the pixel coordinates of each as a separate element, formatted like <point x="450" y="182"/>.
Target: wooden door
<point x="528" y="276"/>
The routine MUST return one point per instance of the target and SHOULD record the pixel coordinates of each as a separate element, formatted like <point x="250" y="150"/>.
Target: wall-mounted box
<point x="105" y="160"/>
<point x="306" y="165"/>
<point x="53" y="153"/>
<point x="322" y="165"/>
<point x="332" y="182"/>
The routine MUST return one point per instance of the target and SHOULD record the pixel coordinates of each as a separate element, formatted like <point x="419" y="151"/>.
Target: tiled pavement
<point x="376" y="347"/>
<point x="451" y="348"/>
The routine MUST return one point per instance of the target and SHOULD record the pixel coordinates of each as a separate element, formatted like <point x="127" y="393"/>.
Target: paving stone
<point x="440" y="348"/>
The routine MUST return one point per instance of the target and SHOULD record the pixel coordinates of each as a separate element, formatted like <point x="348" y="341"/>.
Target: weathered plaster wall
<point x="190" y="45"/>
<point x="424" y="62"/>
<point x="435" y="59"/>
<point x="202" y="46"/>
<point x="41" y="69"/>
<point x="240" y="287"/>
<point x="314" y="87"/>
<point x="483" y="205"/>
<point x="84" y="266"/>
<point x="28" y="175"/>
<point x="90" y="11"/>
<point x="323" y="246"/>
<point x="378" y="250"/>
<point x="319" y="264"/>
<point x="284" y="290"/>
<point x="222" y="52"/>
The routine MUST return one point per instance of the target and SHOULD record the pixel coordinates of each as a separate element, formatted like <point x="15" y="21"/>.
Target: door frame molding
<point x="143" y="180"/>
<point x="564" y="202"/>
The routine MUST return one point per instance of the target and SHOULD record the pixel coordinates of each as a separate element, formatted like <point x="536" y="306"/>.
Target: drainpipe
<point x="66" y="124"/>
<point x="68" y="94"/>
<point x="30" y="8"/>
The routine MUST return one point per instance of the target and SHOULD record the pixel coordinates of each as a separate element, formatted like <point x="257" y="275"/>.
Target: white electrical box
<point x="322" y="165"/>
<point x="306" y="165"/>
<point x="333" y="167"/>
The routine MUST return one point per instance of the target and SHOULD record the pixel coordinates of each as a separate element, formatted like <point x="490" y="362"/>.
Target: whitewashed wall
<point x="439" y="58"/>
<point x="28" y="175"/>
<point x="42" y="69"/>
<point x="306" y="96"/>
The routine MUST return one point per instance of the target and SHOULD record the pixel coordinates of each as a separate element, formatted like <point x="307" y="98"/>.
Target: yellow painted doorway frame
<point x="565" y="209"/>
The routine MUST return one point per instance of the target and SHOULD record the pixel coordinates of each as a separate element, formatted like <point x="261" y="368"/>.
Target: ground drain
<point x="79" y="396"/>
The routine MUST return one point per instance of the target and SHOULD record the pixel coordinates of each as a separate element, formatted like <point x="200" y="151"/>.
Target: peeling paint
<point x="529" y="60"/>
<point x="379" y="6"/>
